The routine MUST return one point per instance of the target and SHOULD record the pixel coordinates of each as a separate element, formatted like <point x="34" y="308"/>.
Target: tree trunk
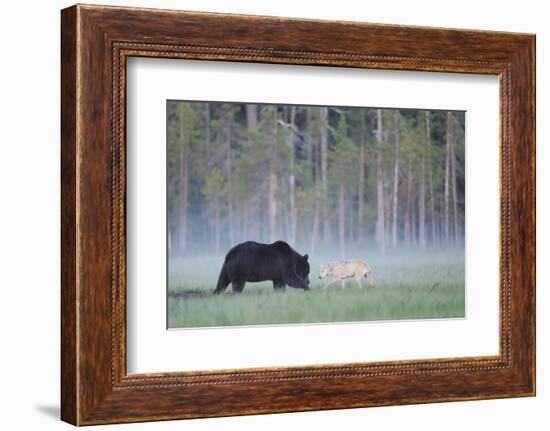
<point x="272" y="183"/>
<point x="251" y="229"/>
<point x="229" y="170"/>
<point x="217" y="225"/>
<point x="422" y="189"/>
<point x="430" y="178"/>
<point x="317" y="185"/>
<point x="207" y="131"/>
<point x="361" y="185"/>
<point x="308" y="141"/>
<point x="413" y="224"/>
<point x="395" y="180"/>
<point x="341" y="220"/>
<point x="246" y="211"/>
<point x="446" y="191"/>
<point x="209" y="164"/>
<point x="292" y="178"/>
<point x="407" y="228"/>
<point x="316" y="211"/>
<point x="184" y="184"/>
<point x="380" y="223"/>
<point x="251" y="116"/>
<point x="323" y="133"/>
<point x="432" y="208"/>
<point x="351" y="231"/>
<point x="450" y="125"/>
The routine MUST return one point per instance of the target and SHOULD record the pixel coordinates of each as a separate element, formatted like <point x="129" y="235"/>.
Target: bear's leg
<point x="237" y="286"/>
<point x="358" y="280"/>
<point x="343" y="281"/>
<point x="294" y="280"/>
<point x="223" y="280"/>
<point x="279" y="285"/>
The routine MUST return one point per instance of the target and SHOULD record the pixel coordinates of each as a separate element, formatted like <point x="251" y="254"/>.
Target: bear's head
<point x="302" y="267"/>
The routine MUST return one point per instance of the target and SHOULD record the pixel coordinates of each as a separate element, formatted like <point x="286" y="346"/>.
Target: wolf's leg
<point x="331" y="282"/>
<point x="370" y="279"/>
<point x="358" y="281"/>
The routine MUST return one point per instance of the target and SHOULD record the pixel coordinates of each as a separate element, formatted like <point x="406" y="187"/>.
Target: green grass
<point x="424" y="286"/>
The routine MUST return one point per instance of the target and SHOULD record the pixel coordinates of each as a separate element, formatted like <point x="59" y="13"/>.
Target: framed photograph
<point x="264" y="214"/>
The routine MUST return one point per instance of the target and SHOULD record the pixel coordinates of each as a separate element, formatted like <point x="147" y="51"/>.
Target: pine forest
<point x="321" y="178"/>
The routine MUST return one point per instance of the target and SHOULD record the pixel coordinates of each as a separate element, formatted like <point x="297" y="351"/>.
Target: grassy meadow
<point x="419" y="285"/>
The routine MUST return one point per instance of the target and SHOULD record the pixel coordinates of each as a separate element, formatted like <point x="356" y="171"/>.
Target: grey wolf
<point x="341" y="270"/>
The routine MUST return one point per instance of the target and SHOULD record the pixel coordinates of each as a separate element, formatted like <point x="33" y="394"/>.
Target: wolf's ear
<point x="306" y="257"/>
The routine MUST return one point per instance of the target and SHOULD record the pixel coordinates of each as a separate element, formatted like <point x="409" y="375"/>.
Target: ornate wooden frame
<point x="95" y="43"/>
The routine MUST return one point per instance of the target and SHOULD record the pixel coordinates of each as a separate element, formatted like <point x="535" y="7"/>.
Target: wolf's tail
<point x="223" y="280"/>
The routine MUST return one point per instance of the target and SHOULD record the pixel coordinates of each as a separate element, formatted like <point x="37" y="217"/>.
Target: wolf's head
<point x="324" y="270"/>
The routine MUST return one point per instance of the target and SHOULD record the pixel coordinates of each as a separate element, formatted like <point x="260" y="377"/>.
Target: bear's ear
<point x="305" y="257"/>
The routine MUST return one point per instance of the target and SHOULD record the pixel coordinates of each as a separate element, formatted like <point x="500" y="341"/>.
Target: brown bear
<point x="252" y="261"/>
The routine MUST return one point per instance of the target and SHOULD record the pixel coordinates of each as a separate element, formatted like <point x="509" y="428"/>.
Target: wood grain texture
<point x="69" y="397"/>
<point x="96" y="41"/>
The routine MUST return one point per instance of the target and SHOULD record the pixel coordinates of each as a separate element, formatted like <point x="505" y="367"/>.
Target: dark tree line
<point x="317" y="177"/>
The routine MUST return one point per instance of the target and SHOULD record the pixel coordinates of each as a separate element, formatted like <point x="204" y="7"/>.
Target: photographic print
<point x="270" y="213"/>
<point x="291" y="214"/>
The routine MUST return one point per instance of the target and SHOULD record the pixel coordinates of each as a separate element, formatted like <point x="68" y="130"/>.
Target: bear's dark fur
<point x="253" y="261"/>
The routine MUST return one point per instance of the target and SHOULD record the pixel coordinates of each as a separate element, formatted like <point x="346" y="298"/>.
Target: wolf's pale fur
<point x="339" y="271"/>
